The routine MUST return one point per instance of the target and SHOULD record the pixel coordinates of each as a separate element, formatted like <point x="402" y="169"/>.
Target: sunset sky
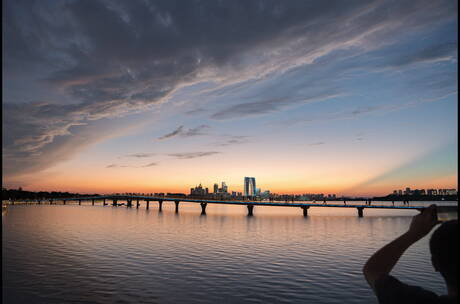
<point x="345" y="97"/>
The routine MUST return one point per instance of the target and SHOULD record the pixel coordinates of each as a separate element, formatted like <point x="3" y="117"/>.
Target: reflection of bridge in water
<point x="203" y="203"/>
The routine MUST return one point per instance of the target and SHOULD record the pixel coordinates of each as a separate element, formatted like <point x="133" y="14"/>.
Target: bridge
<point x="249" y="204"/>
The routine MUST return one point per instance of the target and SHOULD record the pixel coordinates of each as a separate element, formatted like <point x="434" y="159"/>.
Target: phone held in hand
<point x="446" y="213"/>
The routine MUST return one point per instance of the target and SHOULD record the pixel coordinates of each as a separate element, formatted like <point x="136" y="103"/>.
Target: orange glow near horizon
<point x="121" y="183"/>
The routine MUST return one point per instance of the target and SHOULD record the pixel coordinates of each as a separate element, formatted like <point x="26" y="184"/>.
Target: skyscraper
<point x="249" y="186"/>
<point x="408" y="191"/>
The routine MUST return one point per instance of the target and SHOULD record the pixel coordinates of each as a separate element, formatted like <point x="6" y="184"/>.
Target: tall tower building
<point x="250" y="186"/>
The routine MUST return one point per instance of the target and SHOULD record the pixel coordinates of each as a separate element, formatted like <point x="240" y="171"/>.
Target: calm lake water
<point x="96" y="254"/>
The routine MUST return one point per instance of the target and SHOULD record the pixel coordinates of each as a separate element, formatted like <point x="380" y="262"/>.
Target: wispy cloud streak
<point x="191" y="155"/>
<point x="181" y="132"/>
<point x="172" y="134"/>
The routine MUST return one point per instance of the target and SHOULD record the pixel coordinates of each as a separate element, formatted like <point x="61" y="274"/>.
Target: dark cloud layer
<point x="90" y="60"/>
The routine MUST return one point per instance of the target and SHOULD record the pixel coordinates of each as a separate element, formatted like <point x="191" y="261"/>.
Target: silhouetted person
<point x="444" y="258"/>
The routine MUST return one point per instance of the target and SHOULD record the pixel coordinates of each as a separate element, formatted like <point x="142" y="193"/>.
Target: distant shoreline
<point x="19" y="194"/>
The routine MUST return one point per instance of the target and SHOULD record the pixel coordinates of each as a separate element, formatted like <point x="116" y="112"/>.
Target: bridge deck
<point x="246" y="203"/>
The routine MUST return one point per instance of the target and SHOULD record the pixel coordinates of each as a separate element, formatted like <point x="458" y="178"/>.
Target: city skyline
<point x="348" y="98"/>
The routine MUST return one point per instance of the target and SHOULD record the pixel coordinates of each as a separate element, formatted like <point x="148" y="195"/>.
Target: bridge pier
<point x="203" y="208"/>
<point x="160" y="205"/>
<point x="250" y="210"/>
<point x="51" y="202"/>
<point x="104" y="203"/>
<point x="63" y="202"/>
<point x="39" y="202"/>
<point x="305" y="210"/>
<point x="129" y="203"/>
<point x="114" y="203"/>
<point x="177" y="206"/>
<point x="92" y="202"/>
<point x="137" y="204"/>
<point x="360" y="211"/>
<point x="79" y="202"/>
<point x="147" y="204"/>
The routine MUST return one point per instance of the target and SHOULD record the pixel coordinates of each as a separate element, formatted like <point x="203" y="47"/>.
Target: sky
<point x="344" y="97"/>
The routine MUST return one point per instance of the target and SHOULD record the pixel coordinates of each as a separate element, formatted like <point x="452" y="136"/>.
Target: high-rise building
<point x="249" y="186"/>
<point x="224" y="187"/>
<point x="216" y="188"/>
<point x="408" y="191"/>
<point x="400" y="192"/>
<point x="198" y="191"/>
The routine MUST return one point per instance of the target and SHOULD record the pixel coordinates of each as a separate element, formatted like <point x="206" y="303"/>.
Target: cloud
<point x="361" y="111"/>
<point x="190" y="155"/>
<point x="195" y="131"/>
<point x="21" y="160"/>
<point x="172" y="134"/>
<point x="149" y="165"/>
<point x="232" y="140"/>
<point x="196" y="111"/>
<point x="127" y="166"/>
<point x="73" y="64"/>
<point x="267" y="106"/>
<point x="430" y="54"/>
<point x="364" y="110"/>
<point x="317" y="143"/>
<point x="140" y="155"/>
<point x="180" y="131"/>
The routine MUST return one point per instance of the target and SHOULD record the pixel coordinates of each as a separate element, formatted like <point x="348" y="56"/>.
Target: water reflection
<point x="96" y="254"/>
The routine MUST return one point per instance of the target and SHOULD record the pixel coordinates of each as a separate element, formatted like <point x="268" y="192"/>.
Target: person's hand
<point x="422" y="223"/>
